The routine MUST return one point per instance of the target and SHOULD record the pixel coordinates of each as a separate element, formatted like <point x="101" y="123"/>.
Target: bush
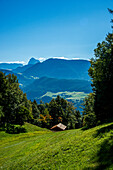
<point x="15" y="129"/>
<point x="89" y="120"/>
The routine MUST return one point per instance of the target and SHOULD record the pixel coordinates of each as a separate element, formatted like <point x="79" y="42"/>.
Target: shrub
<point x="89" y="120"/>
<point x="15" y="129"/>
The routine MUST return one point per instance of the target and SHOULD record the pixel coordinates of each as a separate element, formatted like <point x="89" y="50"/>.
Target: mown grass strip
<point x="71" y="149"/>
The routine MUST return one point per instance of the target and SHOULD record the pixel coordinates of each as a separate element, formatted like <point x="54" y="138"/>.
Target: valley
<point x="44" y="81"/>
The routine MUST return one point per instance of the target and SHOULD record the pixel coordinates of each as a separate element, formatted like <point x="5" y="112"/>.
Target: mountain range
<point x="10" y="66"/>
<point x="42" y="81"/>
<point x="60" y="68"/>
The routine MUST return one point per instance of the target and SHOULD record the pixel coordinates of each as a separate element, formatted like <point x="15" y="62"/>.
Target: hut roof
<point x="59" y="126"/>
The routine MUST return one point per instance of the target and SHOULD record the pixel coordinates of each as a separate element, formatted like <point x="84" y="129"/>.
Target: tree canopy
<point x="101" y="73"/>
<point x="14" y="106"/>
<point x="57" y="111"/>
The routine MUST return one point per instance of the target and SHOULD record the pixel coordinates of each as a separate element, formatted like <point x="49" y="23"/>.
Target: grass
<point x="31" y="128"/>
<point x="71" y="149"/>
<point x="67" y="95"/>
<point x="75" y="97"/>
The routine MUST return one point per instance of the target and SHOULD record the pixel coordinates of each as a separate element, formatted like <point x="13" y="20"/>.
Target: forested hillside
<point x="41" y="89"/>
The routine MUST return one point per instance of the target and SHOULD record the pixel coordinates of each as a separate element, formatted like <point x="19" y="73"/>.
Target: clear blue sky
<point x="52" y="28"/>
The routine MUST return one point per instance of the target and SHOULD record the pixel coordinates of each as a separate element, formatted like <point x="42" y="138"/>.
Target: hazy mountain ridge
<point x="60" y="68"/>
<point x="22" y="69"/>
<point x="10" y="65"/>
<point x="55" y="85"/>
<point x="23" y="81"/>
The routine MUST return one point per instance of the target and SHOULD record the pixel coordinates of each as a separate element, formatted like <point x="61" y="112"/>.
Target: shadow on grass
<point x="86" y="128"/>
<point x="104" y="158"/>
<point x="103" y="130"/>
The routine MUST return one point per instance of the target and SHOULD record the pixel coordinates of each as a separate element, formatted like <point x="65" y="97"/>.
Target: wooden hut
<point x="59" y="127"/>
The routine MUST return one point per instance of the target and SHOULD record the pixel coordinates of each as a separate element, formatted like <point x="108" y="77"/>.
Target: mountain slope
<point x="59" y="68"/>
<point x="22" y="69"/>
<point x="10" y="65"/>
<point x="70" y="149"/>
<point x="55" y="85"/>
<point x="47" y="88"/>
<point x="41" y="86"/>
<point x="23" y="81"/>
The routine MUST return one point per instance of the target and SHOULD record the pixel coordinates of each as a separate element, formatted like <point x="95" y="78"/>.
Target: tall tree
<point x="101" y="72"/>
<point x="13" y="101"/>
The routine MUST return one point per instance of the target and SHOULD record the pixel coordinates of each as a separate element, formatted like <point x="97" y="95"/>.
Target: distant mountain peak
<point x="33" y="61"/>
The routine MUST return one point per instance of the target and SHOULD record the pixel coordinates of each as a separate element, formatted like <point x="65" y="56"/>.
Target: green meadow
<point x="70" y="96"/>
<point x="43" y="149"/>
<point x="67" y="95"/>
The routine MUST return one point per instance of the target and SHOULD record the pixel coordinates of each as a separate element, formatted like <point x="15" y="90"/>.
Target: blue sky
<point x="52" y="28"/>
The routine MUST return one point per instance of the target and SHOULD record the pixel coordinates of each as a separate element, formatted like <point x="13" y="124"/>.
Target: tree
<point x="55" y="110"/>
<point x="35" y="110"/>
<point x="101" y="72"/>
<point x="22" y="115"/>
<point x="1" y="116"/>
<point x="88" y="105"/>
<point x="98" y="105"/>
<point x="63" y="111"/>
<point x="13" y="101"/>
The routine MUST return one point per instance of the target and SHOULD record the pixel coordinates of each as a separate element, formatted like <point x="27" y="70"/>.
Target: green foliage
<point x="57" y="111"/>
<point x="1" y="115"/>
<point x="71" y="149"/>
<point x="89" y="117"/>
<point x="14" y="106"/>
<point x="35" y="110"/>
<point x="22" y="115"/>
<point x="101" y="72"/>
<point x="88" y="105"/>
<point x="15" y="129"/>
<point x="89" y="120"/>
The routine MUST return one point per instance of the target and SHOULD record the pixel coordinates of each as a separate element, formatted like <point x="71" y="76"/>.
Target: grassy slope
<point x="71" y="149"/>
<point x="67" y="95"/>
<point x="75" y="97"/>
